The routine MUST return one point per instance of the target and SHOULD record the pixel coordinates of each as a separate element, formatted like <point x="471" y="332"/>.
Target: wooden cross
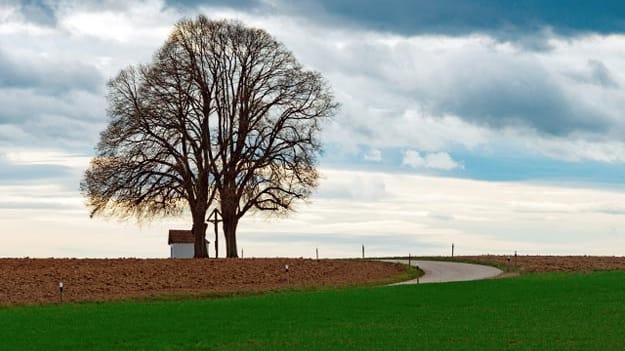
<point x="213" y="218"/>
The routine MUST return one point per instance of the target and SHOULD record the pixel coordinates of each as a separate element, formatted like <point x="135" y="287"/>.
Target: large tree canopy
<point x="223" y="117"/>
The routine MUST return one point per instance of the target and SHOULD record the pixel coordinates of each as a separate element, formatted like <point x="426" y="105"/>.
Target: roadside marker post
<point x="417" y="275"/>
<point x="61" y="291"/>
<point x="286" y="270"/>
<point x="363" y="251"/>
<point x="408" y="259"/>
<point x="317" y="253"/>
<point x="452" y="249"/>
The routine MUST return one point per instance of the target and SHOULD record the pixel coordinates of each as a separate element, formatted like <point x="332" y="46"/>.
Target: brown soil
<point x="533" y="264"/>
<point x="33" y="281"/>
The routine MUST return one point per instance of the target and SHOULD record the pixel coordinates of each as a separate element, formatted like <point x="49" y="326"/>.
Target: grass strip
<point x="546" y="312"/>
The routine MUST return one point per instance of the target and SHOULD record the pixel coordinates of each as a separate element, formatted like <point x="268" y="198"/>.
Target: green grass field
<point x="533" y="312"/>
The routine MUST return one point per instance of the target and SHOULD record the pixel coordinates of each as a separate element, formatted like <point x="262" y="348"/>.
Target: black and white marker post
<point x="286" y="270"/>
<point x="61" y="291"/>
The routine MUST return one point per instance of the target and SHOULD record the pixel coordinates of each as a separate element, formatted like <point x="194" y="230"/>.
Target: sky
<point x="497" y="126"/>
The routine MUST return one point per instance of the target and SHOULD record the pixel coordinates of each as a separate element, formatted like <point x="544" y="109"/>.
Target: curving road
<point x="440" y="272"/>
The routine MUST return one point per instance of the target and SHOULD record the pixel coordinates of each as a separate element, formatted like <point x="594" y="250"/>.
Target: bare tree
<point x="152" y="157"/>
<point x="223" y="117"/>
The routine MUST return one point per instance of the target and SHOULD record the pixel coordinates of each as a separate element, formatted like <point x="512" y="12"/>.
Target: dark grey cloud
<point x="513" y="19"/>
<point x="480" y="81"/>
<point x="523" y="97"/>
<point x="49" y="101"/>
<point x="36" y="11"/>
<point x="41" y="12"/>
<point x="52" y="76"/>
<point x="36" y="120"/>
<point x="523" y="22"/>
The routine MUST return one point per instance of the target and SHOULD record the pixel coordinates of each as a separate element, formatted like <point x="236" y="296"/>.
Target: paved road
<point x="439" y="272"/>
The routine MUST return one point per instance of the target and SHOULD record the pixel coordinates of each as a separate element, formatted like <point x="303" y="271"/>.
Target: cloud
<point x="20" y="174"/>
<point x="374" y="155"/>
<point x="413" y="159"/>
<point x="131" y="23"/>
<point x="40" y="12"/>
<point x="50" y="76"/>
<point x="426" y="214"/>
<point x="502" y="90"/>
<point x="601" y="75"/>
<point x="439" y="93"/>
<point x="527" y="24"/>
<point x="352" y="187"/>
<point x="33" y="18"/>
<point x="431" y="90"/>
<point x="39" y="167"/>
<point x="597" y="73"/>
<point x="578" y="150"/>
<point x="35" y="119"/>
<point x="437" y="160"/>
<point x="11" y="173"/>
<point x="440" y="160"/>
<point x="47" y="157"/>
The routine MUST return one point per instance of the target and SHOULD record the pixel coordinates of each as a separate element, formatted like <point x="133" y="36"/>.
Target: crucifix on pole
<point x="214" y="218"/>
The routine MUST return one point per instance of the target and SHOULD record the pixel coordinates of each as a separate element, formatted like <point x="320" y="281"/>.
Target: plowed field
<point x="535" y="264"/>
<point x="33" y="281"/>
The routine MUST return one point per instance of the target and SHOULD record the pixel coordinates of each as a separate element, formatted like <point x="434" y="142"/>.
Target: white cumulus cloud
<point x="434" y="160"/>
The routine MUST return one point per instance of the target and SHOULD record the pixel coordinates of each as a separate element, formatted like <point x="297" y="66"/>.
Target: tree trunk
<point x="230" y="222"/>
<point x="199" y="234"/>
<point x="229" y="203"/>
